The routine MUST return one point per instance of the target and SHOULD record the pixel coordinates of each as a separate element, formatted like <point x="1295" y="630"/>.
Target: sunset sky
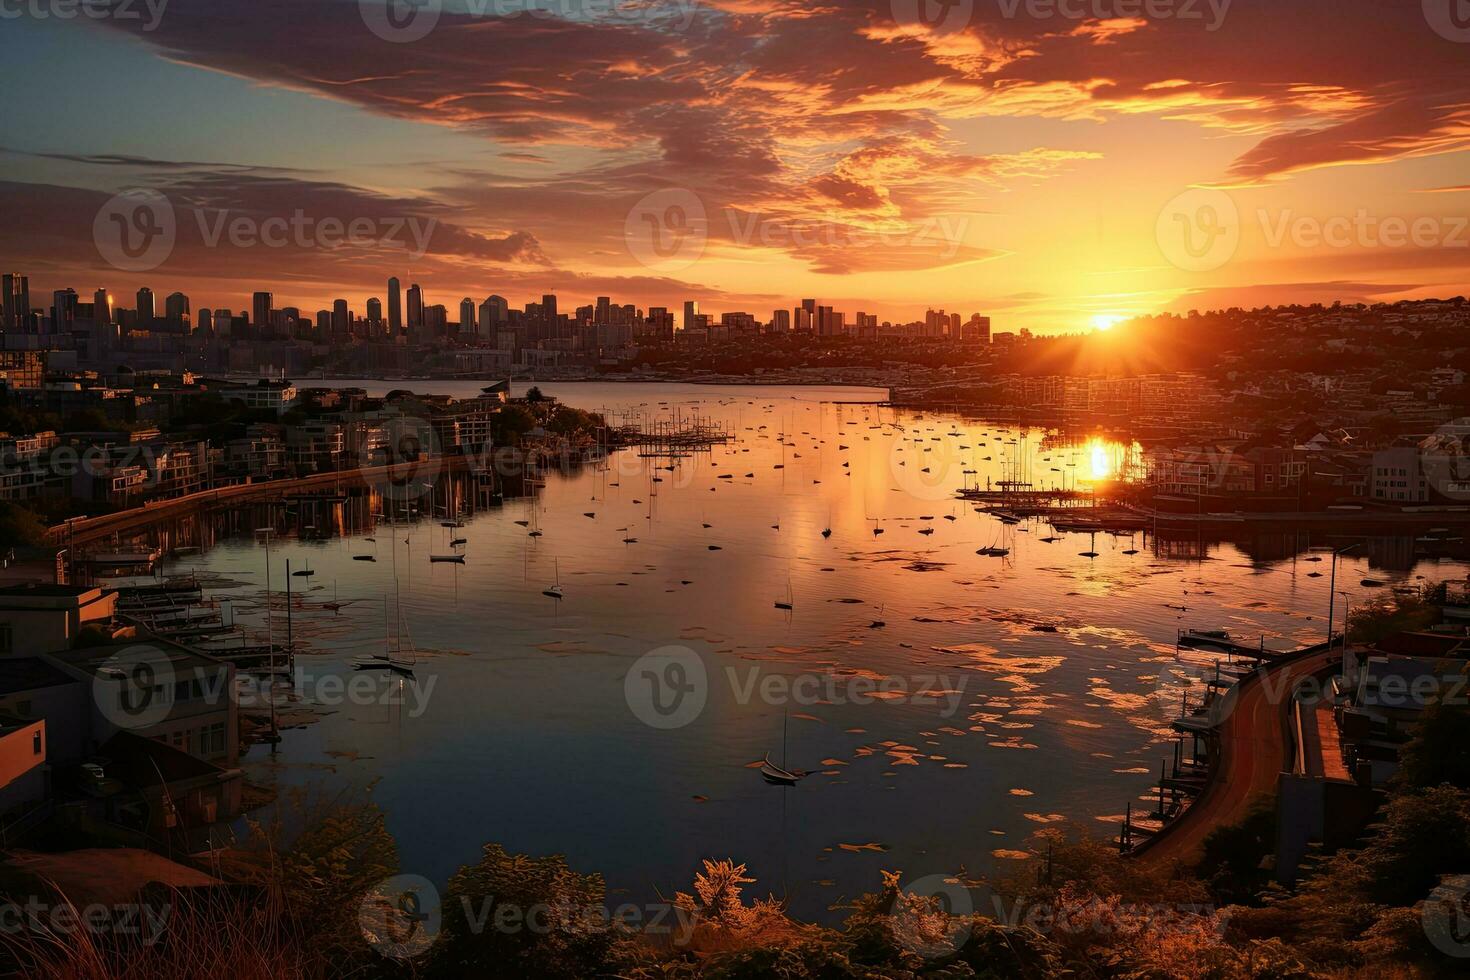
<point x="1007" y="159"/>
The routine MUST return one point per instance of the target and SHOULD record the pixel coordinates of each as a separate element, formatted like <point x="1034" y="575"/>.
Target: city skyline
<point x="262" y="307"/>
<point x="1031" y="164"/>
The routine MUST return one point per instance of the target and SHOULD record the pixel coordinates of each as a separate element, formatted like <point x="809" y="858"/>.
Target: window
<point x="36" y="743"/>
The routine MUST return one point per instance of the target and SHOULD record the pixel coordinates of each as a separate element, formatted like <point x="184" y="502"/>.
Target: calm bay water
<point x="1058" y="673"/>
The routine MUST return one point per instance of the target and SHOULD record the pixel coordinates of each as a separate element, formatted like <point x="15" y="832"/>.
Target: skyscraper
<point x="691" y="314"/>
<point x="467" y="316"/>
<point x="395" y="307"/>
<point x="260" y="312"/>
<point x="548" y="307"/>
<point x="176" y="309"/>
<point x="101" y="307"/>
<point x="603" y="313"/>
<point x="15" y="300"/>
<point x="415" y="310"/>
<point x="341" y="320"/>
<point x="146" y="312"/>
<point x="63" y="310"/>
<point x="375" y="313"/>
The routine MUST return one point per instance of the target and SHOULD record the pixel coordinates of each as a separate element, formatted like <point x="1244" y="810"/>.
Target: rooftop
<point x="94" y="659"/>
<point x="142" y="762"/>
<point x="19" y="674"/>
<point x="107" y="875"/>
<point x="49" y="591"/>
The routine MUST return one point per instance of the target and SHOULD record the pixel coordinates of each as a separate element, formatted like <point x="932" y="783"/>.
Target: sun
<point x="1106" y="321"/>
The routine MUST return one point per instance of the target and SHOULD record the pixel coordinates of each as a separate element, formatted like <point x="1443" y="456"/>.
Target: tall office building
<point x="780" y="321"/>
<point x="548" y="307"/>
<point x="978" y="329"/>
<point x="341" y="319"/>
<point x="375" y="313"/>
<point x="176" y="309"/>
<point x="466" y="316"/>
<point x="415" y="310"/>
<point x="63" y="310"/>
<point x="260" y="312"/>
<point x="102" y="307"/>
<point x="603" y="313"/>
<point x="395" y="307"/>
<point x="493" y="312"/>
<point x="15" y="300"/>
<point x="146" y="313"/>
<point x="827" y="323"/>
<point x="691" y="314"/>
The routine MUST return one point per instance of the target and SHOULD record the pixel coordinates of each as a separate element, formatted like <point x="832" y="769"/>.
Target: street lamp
<point x="1332" y="605"/>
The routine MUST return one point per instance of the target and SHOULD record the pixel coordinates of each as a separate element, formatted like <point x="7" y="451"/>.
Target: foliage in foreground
<point x="1083" y="912"/>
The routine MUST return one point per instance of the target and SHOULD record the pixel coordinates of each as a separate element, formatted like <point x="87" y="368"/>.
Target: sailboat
<point x="787" y="604"/>
<point x="780" y="775"/>
<point x="393" y="659"/>
<point x="555" y="592"/>
<point x="995" y="549"/>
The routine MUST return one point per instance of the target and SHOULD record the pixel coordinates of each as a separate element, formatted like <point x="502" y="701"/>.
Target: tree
<point x="19" y="526"/>
<point x="516" y="916"/>
<point x="535" y="395"/>
<point x="510" y="423"/>
<point x="1440" y="750"/>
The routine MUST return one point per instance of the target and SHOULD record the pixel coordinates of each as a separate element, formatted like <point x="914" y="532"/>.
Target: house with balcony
<point x="266" y="394"/>
<point x="316" y="446"/>
<point x="258" y="455"/>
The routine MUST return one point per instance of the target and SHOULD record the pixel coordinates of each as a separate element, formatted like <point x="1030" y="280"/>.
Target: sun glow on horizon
<point x="1106" y="321"/>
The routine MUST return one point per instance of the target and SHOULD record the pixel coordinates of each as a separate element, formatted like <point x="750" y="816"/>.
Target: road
<point x="1253" y="753"/>
<point x="91" y="529"/>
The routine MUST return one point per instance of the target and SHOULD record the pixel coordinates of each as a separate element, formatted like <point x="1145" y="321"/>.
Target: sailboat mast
<point x="784" y="721"/>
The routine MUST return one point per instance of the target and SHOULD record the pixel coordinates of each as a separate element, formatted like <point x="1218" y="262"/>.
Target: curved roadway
<point x="1253" y="753"/>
